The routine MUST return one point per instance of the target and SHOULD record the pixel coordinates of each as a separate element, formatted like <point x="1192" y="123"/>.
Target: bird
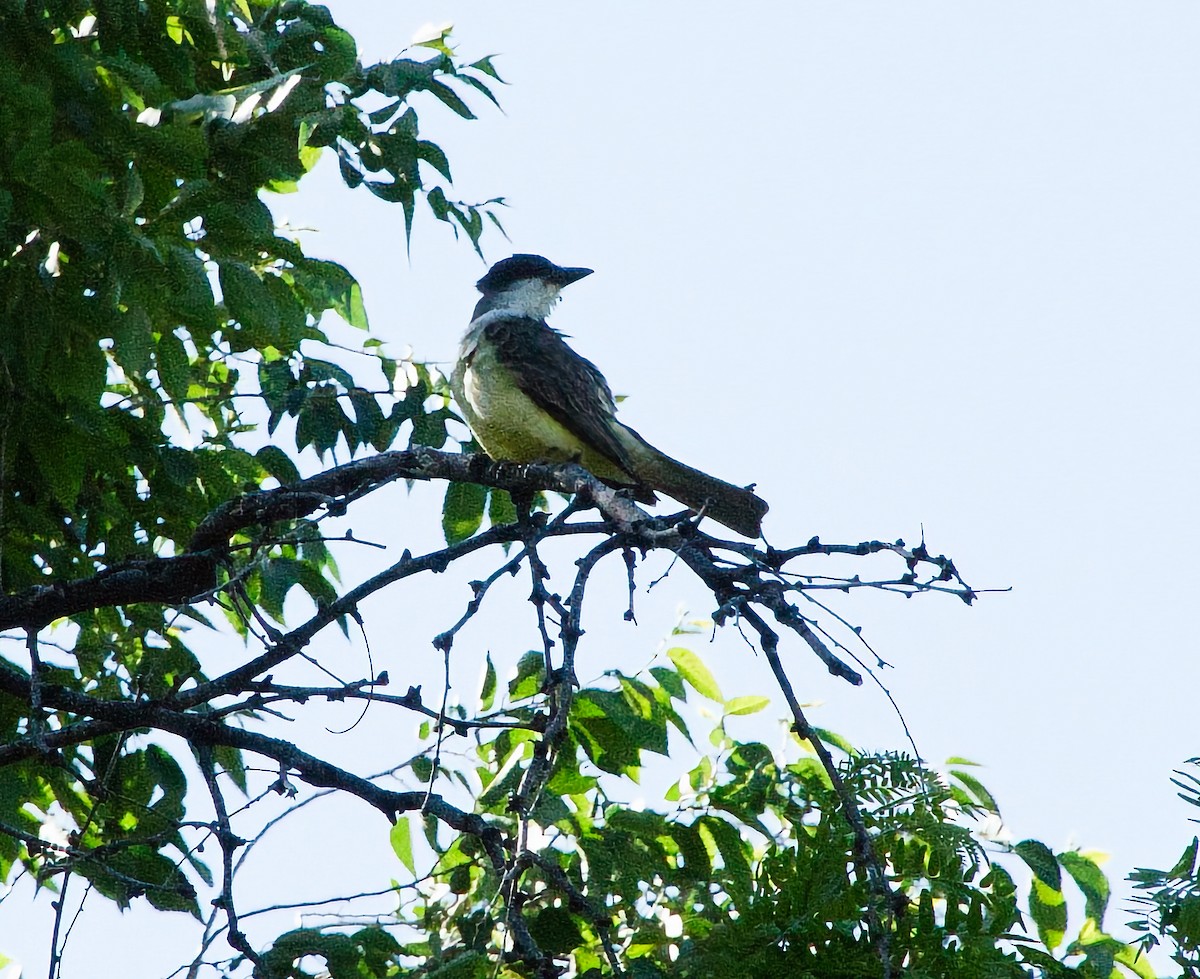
<point x="527" y="396"/>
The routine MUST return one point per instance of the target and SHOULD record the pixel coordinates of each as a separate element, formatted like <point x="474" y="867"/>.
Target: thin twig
<point x="229" y="846"/>
<point x="36" y="720"/>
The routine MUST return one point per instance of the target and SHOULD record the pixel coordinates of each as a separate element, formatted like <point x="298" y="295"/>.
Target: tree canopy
<point x="152" y="314"/>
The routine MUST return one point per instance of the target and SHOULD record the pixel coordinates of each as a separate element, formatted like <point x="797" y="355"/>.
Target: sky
<point x="907" y="265"/>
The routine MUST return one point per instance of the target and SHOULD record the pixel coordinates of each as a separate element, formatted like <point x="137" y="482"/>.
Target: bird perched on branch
<point x="528" y="397"/>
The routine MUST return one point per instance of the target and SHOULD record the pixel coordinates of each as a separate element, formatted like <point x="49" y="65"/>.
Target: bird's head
<point x="526" y="285"/>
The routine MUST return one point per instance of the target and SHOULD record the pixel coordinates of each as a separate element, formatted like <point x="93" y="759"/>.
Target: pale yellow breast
<point x="509" y="425"/>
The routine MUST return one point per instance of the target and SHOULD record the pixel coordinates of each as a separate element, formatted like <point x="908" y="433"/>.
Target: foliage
<point x="144" y="291"/>
<point x="749" y="871"/>
<point x="142" y="275"/>
<point x="1172" y="903"/>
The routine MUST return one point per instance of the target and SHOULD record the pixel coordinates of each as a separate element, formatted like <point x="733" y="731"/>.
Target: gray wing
<point x="568" y="387"/>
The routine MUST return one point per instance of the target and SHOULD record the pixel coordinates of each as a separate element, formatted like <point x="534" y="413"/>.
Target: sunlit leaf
<point x="1091" y="880"/>
<point x="402" y="844"/>
<point x="693" y="670"/>
<point x="746" y="705"/>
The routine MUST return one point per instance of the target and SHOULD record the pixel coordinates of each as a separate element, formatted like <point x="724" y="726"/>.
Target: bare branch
<point x="229" y="846"/>
<point x="750" y="584"/>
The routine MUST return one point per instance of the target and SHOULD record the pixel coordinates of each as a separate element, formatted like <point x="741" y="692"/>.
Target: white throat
<point x="529" y="297"/>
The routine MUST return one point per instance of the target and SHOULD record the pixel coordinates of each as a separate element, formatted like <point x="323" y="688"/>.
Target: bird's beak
<point x="564" y="277"/>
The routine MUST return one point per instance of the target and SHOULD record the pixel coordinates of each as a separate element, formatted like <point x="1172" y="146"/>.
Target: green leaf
<point x="171" y="360"/>
<point x="231" y="760"/>
<point x="567" y="779"/>
<point x="373" y="429"/>
<point x="62" y="456"/>
<point x="501" y="509"/>
<point x="487" y="693"/>
<point x="339" y="52"/>
<point x="320" y="421"/>
<point x="479" y="86"/>
<point x="616" y="727"/>
<point x="531" y="672"/>
<point x="325" y="370"/>
<point x="1185" y="865"/>
<point x="667" y="708"/>
<point x="696" y="860"/>
<point x="835" y="740"/>
<point x="555" y="931"/>
<point x="316" y="585"/>
<point x="695" y="673"/>
<point x="276" y="462"/>
<point x="432" y="154"/>
<point x="734" y="853"/>
<point x="328" y="285"/>
<point x="156" y="876"/>
<point x="468" y="965"/>
<point x="436" y="199"/>
<point x="351" y="308"/>
<point x="1048" y="907"/>
<point x="670" y="681"/>
<point x="485" y="65"/>
<point x="277" y="577"/>
<point x="402" y="76"/>
<point x="462" y="511"/>
<point x="430" y="429"/>
<point x="1091" y="880"/>
<point x="249" y="303"/>
<point x="976" y="789"/>
<point x="162" y="670"/>
<point x="1100" y="948"/>
<point x="133" y="342"/>
<point x="450" y="99"/>
<point x="402" y="844"/>
<point x="1132" y="958"/>
<point x="191" y="295"/>
<point x="439" y="43"/>
<point x="1040" y="859"/>
<point x="71" y="176"/>
<point x="746" y="705"/>
<point x="381" y="115"/>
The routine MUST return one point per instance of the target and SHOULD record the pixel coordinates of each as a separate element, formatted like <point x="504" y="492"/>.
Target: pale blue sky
<point x="902" y="264"/>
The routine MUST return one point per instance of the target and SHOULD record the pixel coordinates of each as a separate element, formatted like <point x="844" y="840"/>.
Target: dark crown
<point x="520" y="267"/>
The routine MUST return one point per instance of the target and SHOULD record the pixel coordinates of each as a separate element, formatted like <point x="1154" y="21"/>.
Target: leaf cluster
<point x="749" y="871"/>
<point x="1170" y="904"/>
<point x="149" y="305"/>
<point x="141" y="269"/>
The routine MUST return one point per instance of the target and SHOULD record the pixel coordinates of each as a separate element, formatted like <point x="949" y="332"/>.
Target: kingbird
<point x="528" y="397"/>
